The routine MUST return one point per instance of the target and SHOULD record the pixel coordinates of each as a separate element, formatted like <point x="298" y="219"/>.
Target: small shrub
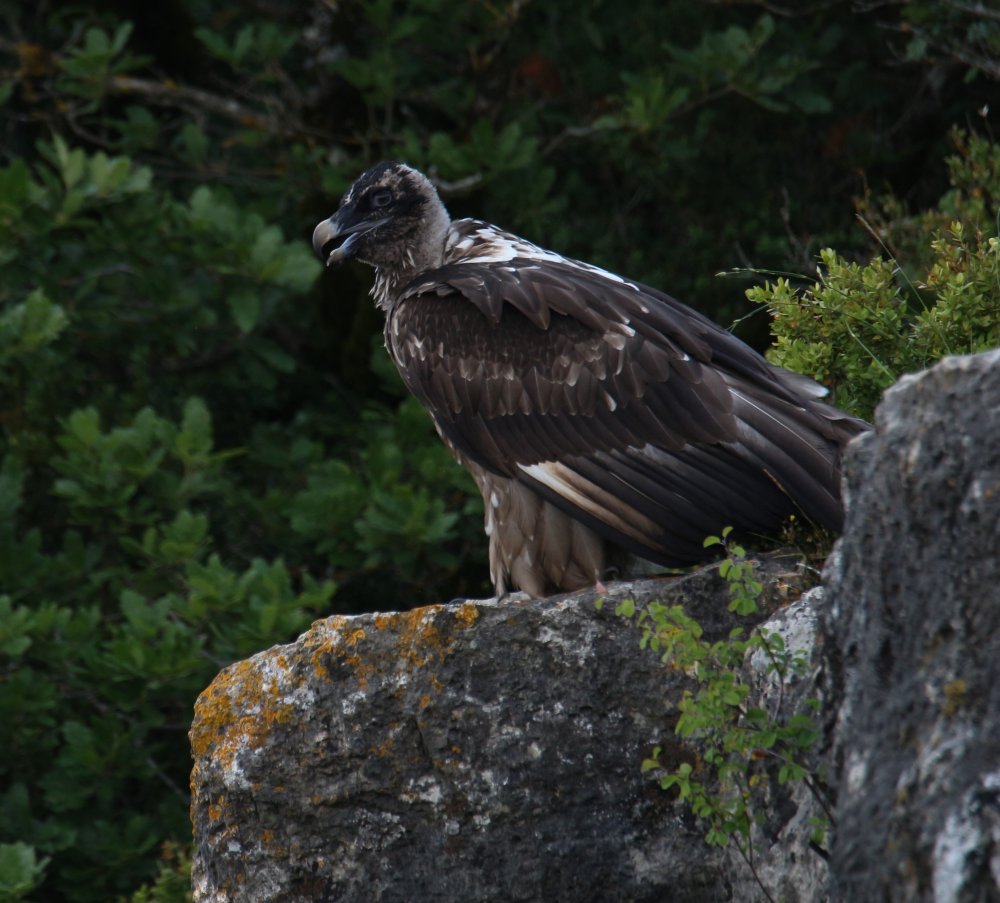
<point x="127" y="615"/>
<point x="860" y="327"/>
<point x="173" y="879"/>
<point x="736" y="747"/>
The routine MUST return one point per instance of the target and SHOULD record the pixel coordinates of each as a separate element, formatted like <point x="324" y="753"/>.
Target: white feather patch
<point x="590" y="498"/>
<point x="487" y="244"/>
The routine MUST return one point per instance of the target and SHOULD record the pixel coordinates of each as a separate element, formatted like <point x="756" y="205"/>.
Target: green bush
<point x="173" y="879"/>
<point x="860" y="327"/>
<point x="119" y="614"/>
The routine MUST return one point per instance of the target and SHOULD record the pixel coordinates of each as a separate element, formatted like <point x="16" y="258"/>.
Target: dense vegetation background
<point x="202" y="446"/>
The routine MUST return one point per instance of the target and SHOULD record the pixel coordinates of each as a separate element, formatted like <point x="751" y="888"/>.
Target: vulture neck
<point x="424" y="250"/>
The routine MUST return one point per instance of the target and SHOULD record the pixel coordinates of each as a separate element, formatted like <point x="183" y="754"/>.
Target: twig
<point x="170" y="94"/>
<point x="167" y="93"/>
<point x="984" y="64"/>
<point x="747" y="856"/>
<point x="167" y="780"/>
<point x="788" y="12"/>
<point x="206" y="362"/>
<point x="459" y="186"/>
<point x="820" y="798"/>
<point x="976" y="9"/>
<point x="571" y="131"/>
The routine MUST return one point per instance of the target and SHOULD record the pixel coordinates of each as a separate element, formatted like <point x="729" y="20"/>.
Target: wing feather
<point x="622" y="407"/>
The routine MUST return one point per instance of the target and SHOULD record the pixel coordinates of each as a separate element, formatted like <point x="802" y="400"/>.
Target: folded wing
<point x="624" y="408"/>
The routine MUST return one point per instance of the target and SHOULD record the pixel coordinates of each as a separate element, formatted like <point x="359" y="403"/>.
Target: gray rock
<point x="477" y="751"/>
<point x="785" y="860"/>
<point x="913" y="635"/>
<point x="490" y="750"/>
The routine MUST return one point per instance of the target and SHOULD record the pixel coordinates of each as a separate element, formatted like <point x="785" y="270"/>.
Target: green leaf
<point x="916" y="49"/>
<point x="27" y="327"/>
<point x="626" y="608"/>
<point x="244" y="305"/>
<point x="15" y="628"/>
<point x="275" y="357"/>
<point x="766" y="739"/>
<point x="193" y="143"/>
<point x="21" y="871"/>
<point x="244" y="41"/>
<point x="194" y="441"/>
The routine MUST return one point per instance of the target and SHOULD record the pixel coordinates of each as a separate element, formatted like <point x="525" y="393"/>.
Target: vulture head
<point x="391" y="218"/>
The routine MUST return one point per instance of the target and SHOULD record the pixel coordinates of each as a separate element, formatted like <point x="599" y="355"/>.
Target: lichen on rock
<point x="473" y="751"/>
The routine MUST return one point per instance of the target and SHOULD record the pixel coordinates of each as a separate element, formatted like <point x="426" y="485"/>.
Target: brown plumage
<point x="600" y="418"/>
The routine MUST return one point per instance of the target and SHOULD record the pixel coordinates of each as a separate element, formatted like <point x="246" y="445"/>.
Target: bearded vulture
<point x="602" y="420"/>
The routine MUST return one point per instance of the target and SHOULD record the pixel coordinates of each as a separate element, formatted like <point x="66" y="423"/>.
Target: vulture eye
<point x="381" y="198"/>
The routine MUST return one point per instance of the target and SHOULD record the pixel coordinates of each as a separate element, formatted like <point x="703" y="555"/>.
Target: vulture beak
<point x="339" y="228"/>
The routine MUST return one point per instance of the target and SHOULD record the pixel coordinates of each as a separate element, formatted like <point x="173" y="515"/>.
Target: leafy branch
<point x="736" y="744"/>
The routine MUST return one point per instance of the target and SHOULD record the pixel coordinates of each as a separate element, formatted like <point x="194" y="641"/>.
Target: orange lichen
<point x="327" y="638"/>
<point x="244" y="703"/>
<point x="383" y="749"/>
<point x="238" y="710"/>
<point x="419" y="639"/>
<point x="362" y="670"/>
<point x="420" y="636"/>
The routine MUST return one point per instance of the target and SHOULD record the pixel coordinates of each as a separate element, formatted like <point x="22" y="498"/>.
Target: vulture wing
<point x="624" y="408"/>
